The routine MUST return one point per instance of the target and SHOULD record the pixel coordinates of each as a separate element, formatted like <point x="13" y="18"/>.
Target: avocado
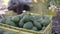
<point x="26" y="18"/>
<point x="28" y="25"/>
<point x="8" y="22"/>
<point x="34" y="28"/>
<point x="0" y="20"/>
<point x="15" y="19"/>
<point x="22" y="15"/>
<point x="38" y="25"/>
<point x="45" y="21"/>
<point x="3" y="20"/>
<point x="36" y="18"/>
<point x="21" y="24"/>
<point x="43" y="28"/>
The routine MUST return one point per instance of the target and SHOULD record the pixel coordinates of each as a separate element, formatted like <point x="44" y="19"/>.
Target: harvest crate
<point x="47" y="30"/>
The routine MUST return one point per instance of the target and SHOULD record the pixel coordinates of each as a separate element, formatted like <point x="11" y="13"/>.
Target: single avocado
<point x="28" y="25"/>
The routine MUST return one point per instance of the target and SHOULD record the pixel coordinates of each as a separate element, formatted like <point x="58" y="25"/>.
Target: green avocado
<point x="15" y="19"/>
<point x="26" y="18"/>
<point x="2" y="20"/>
<point x="28" y="25"/>
<point x="21" y="24"/>
<point x="8" y="22"/>
<point x="34" y="28"/>
<point x="36" y="18"/>
<point x="22" y="15"/>
<point x="37" y="24"/>
<point x="45" y="21"/>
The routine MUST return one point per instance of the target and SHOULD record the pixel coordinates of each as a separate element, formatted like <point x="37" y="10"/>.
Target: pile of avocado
<point x="27" y="21"/>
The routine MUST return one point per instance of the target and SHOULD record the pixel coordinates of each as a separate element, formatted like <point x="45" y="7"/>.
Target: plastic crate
<point x="47" y="30"/>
